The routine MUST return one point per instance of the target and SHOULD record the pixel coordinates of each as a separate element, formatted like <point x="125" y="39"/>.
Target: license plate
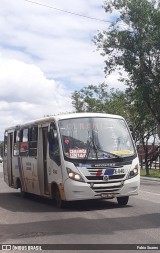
<point x="109" y="172"/>
<point x="119" y="171"/>
<point x="107" y="195"/>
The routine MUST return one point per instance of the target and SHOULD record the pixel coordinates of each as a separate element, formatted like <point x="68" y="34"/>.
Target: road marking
<point x="149" y="192"/>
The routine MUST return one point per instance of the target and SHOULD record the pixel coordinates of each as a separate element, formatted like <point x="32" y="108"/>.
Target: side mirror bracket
<point x="132" y="131"/>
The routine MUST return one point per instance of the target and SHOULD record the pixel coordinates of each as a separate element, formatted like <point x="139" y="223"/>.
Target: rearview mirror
<point x="52" y="136"/>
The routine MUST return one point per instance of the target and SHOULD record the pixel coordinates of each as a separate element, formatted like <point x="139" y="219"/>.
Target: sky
<point x="46" y="54"/>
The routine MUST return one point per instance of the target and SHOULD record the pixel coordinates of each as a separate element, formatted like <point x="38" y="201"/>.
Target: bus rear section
<point x="20" y="158"/>
<point x="29" y="163"/>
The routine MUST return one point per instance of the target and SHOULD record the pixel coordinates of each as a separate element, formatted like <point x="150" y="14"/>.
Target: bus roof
<point x="65" y="116"/>
<point x="86" y="114"/>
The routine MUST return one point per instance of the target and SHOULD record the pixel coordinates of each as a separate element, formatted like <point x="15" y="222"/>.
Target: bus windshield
<point x="95" y="138"/>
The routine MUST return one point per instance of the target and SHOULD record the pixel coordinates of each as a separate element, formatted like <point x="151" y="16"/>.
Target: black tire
<point x="23" y="193"/>
<point x="58" y="201"/>
<point x="122" y="201"/>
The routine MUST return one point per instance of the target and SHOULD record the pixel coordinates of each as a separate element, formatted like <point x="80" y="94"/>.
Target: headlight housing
<point x="74" y="175"/>
<point x="134" y="172"/>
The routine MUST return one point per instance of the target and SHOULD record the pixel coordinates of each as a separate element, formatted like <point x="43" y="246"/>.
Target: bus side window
<point x="16" y="143"/>
<point x="33" y="137"/>
<point x="24" y="142"/>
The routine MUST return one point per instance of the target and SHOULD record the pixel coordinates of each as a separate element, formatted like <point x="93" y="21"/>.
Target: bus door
<point x="45" y="142"/>
<point x="54" y="161"/>
<point x="42" y="159"/>
<point x="9" y="158"/>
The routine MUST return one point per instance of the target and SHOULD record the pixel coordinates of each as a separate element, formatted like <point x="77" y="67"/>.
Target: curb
<point x="151" y="178"/>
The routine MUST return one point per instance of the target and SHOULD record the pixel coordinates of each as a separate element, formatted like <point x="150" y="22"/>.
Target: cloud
<point x="26" y="93"/>
<point x="45" y="55"/>
<point x="113" y="80"/>
<point x="60" y="44"/>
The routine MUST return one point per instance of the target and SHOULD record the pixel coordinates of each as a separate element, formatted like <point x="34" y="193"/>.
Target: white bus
<point x="71" y="157"/>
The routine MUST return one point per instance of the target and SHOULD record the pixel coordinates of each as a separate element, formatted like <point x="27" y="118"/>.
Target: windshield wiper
<point x="107" y="153"/>
<point x="91" y="144"/>
<point x="104" y="151"/>
<point x="110" y="154"/>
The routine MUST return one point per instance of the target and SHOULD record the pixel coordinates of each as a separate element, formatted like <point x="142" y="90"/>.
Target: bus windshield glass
<point x="95" y="138"/>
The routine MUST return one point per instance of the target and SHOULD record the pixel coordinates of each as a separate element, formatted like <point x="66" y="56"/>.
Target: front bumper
<point x="87" y="190"/>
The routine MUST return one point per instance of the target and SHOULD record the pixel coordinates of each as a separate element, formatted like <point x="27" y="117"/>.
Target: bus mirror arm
<point x="52" y="136"/>
<point x="132" y="131"/>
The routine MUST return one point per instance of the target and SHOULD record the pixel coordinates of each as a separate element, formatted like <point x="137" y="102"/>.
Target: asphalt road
<point x="36" y="221"/>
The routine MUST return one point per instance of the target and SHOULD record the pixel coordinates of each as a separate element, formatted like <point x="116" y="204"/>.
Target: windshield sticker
<point x="77" y="153"/>
<point x="122" y="152"/>
<point x="66" y="141"/>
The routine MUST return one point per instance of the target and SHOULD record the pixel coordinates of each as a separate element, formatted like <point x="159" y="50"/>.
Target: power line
<point x="69" y="12"/>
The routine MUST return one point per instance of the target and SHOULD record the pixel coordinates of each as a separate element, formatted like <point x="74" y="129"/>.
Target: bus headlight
<point x="74" y="176"/>
<point x="134" y="172"/>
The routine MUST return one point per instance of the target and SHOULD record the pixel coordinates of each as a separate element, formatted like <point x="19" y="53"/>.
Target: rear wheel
<point x="58" y="201"/>
<point x="122" y="201"/>
<point x="23" y="193"/>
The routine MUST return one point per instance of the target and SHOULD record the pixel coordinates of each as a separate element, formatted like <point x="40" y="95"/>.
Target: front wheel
<point x="122" y="201"/>
<point x="58" y="201"/>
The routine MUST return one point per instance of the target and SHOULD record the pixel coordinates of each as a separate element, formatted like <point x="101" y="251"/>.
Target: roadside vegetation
<point x="130" y="45"/>
<point x="153" y="173"/>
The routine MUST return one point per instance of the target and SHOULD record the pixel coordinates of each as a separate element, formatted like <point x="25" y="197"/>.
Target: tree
<point x="128" y="104"/>
<point x="144" y="125"/>
<point x="132" y="43"/>
<point x="140" y="116"/>
<point x="99" y="98"/>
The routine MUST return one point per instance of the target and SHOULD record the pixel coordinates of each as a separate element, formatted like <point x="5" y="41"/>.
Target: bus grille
<point x="99" y="188"/>
<point x="99" y="185"/>
<point x="121" y="176"/>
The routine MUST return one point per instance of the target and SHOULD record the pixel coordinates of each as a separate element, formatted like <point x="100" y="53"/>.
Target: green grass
<point x="153" y="173"/>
